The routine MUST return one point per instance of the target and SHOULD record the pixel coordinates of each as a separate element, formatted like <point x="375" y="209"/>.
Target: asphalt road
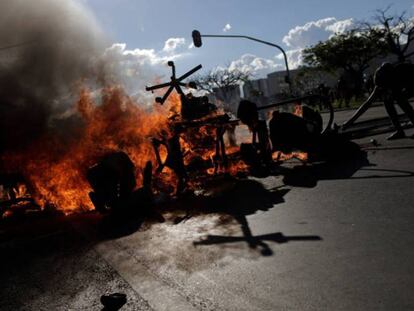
<point x="336" y="238"/>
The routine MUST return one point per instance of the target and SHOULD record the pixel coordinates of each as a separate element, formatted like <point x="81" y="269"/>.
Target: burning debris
<point x="113" y="182"/>
<point x="91" y="152"/>
<point x="15" y="197"/>
<point x="117" y="141"/>
<point x="194" y="128"/>
<point x="56" y="168"/>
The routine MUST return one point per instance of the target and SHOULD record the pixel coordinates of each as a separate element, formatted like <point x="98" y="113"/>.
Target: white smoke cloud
<point x="63" y="49"/>
<point x="226" y="27"/>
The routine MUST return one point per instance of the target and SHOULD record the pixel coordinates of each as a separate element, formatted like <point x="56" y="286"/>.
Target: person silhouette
<point x="395" y="82"/>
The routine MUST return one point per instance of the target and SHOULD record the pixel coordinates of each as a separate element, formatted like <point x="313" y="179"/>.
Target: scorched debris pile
<point x="55" y="166"/>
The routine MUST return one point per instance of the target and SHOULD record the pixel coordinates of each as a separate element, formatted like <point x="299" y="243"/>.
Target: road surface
<point x="336" y="239"/>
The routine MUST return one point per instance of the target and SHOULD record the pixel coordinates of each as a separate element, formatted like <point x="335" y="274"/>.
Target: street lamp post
<point x="198" y="43"/>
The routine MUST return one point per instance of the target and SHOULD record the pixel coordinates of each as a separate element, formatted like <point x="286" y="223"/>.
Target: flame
<point x="55" y="166"/>
<point x="297" y="110"/>
<point x="302" y="156"/>
<point x="21" y="191"/>
<point x="280" y="156"/>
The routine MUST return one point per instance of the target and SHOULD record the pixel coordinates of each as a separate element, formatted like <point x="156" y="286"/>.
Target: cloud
<point x="341" y="26"/>
<point x="309" y="34"/>
<point x="312" y="32"/>
<point x="227" y="27"/>
<point x="258" y="66"/>
<point x="296" y="39"/>
<point x="172" y="44"/>
<point x="135" y="68"/>
<point x="295" y="58"/>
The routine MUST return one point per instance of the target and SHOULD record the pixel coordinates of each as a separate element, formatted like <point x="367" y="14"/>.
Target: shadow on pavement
<point x="256" y="241"/>
<point x="308" y="176"/>
<point x="344" y="165"/>
<point x="246" y="198"/>
<point x="389" y="148"/>
<point x="232" y="198"/>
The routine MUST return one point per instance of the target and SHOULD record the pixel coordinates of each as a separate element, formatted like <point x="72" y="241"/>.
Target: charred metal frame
<point x="175" y="83"/>
<point x="300" y="99"/>
<point x="175" y="157"/>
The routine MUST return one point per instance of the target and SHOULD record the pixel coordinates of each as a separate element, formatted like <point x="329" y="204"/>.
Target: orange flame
<point x="55" y="166"/>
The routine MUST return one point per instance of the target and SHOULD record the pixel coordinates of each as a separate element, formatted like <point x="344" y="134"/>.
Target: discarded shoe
<point x="113" y="301"/>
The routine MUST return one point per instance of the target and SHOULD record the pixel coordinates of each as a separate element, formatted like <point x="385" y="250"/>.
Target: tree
<point x="222" y="82"/>
<point x="307" y="80"/>
<point x="396" y="31"/>
<point x="351" y="52"/>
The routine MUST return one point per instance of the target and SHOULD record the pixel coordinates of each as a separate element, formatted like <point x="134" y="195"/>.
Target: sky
<point x="157" y="30"/>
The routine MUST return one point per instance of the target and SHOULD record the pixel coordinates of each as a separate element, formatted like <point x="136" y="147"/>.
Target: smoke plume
<point x="46" y="48"/>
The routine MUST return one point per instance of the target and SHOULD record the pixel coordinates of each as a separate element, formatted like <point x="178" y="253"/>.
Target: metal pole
<point x="264" y="42"/>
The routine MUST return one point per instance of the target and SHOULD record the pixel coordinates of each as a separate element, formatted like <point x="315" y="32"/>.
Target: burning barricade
<point x="124" y="155"/>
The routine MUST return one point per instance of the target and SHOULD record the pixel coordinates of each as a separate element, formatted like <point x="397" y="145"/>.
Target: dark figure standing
<point x="395" y="82"/>
<point x="248" y="114"/>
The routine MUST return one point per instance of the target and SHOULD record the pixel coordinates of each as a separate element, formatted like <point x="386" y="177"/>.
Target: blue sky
<point x="146" y="25"/>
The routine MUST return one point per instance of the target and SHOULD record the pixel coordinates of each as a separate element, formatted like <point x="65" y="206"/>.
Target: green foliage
<point x="307" y="80"/>
<point x="351" y="51"/>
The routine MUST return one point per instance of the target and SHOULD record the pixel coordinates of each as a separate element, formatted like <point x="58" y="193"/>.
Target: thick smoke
<point x="56" y="44"/>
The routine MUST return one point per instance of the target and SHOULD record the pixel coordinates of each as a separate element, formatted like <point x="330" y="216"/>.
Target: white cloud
<point x="227" y="27"/>
<point x="341" y="26"/>
<point x="258" y="66"/>
<point x="309" y="34"/>
<point x="315" y="31"/>
<point x="295" y="58"/>
<point x="172" y="44"/>
<point x="136" y="68"/>
<point x="297" y="39"/>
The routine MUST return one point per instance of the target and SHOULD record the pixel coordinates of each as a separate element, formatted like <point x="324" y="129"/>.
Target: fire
<point x="280" y="156"/>
<point x="297" y="110"/>
<point x="302" y="156"/>
<point x="21" y="191"/>
<point x="55" y="166"/>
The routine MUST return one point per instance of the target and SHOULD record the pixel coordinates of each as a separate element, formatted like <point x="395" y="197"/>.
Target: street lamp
<point x="198" y="43"/>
